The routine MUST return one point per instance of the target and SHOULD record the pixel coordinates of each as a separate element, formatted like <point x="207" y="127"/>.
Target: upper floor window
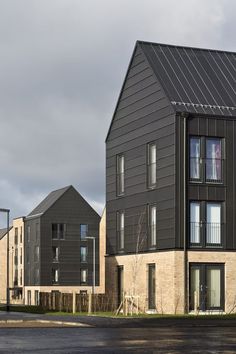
<point x="28" y="233"/>
<point x="21" y="234"/>
<point x="206" y="159"/>
<point x="83" y="231"/>
<point x="55" y="276"/>
<point x="83" y="254"/>
<point x="120" y="229"/>
<point x="37" y="231"/>
<point x="120" y="174"/>
<point x="83" y="276"/>
<point x="55" y="254"/>
<point x="16" y="235"/>
<point x="206" y="224"/>
<point x="151" y="165"/>
<point x="58" y="231"/>
<point x="152" y="225"/>
<point x="36" y="254"/>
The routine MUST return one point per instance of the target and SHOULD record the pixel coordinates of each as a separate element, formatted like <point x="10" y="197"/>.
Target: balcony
<point x="204" y="234"/>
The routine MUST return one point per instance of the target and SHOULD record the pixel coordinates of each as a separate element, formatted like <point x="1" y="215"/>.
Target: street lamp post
<point x="7" y="211"/>
<point x="94" y="254"/>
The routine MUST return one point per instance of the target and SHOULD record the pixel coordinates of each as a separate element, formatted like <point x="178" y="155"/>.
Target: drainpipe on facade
<point x="185" y="116"/>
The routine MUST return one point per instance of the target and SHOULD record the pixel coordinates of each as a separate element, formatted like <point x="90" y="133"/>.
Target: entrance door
<point x="206" y="287"/>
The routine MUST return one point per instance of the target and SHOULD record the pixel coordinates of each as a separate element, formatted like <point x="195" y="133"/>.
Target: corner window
<point x="120" y="229"/>
<point x="206" y="226"/>
<point x="120" y="174"/>
<point x="83" y="231"/>
<point x="206" y="160"/>
<point x="151" y="165"/>
<point x="152" y="225"/>
<point x="83" y="276"/>
<point x="83" y="254"/>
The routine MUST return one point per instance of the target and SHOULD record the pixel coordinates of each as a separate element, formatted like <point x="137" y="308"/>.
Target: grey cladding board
<point x="143" y="114"/>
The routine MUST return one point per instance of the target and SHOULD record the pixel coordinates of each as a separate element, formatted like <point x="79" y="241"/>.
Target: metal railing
<point x="206" y="233"/>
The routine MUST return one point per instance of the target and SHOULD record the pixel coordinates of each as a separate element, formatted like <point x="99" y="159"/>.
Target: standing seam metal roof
<point x="195" y="80"/>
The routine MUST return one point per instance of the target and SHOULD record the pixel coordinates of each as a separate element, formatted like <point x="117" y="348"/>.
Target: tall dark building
<point x="170" y="180"/>
<point x="58" y="254"/>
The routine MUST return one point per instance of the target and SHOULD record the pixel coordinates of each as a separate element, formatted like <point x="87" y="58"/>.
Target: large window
<point x="151" y="165"/>
<point x="206" y="159"/>
<point x="120" y="230"/>
<point x="152" y="225"/>
<point x="58" y="231"/>
<point x="206" y="224"/>
<point x="120" y="177"/>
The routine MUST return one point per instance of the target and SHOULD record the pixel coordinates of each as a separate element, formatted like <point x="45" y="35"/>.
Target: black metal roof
<point x="195" y="80"/>
<point x="48" y="202"/>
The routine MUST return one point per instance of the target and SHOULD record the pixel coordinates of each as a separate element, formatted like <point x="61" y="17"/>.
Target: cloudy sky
<point x="62" y="63"/>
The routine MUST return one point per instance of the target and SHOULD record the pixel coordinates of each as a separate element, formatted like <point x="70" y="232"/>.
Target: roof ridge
<point x="186" y="47"/>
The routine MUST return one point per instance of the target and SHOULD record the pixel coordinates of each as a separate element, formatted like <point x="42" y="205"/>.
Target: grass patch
<point x="24" y="308"/>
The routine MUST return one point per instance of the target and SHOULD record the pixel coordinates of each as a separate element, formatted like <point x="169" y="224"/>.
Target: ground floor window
<point x="151" y="286"/>
<point x="29" y="297"/>
<point x="120" y="284"/>
<point x="206" y="286"/>
<point x="36" y="298"/>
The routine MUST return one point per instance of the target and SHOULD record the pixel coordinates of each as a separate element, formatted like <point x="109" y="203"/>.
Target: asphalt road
<point x="118" y="340"/>
<point x="117" y="335"/>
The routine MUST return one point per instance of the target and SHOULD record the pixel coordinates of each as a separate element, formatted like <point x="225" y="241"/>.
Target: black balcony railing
<point x="204" y="233"/>
<point x="206" y="170"/>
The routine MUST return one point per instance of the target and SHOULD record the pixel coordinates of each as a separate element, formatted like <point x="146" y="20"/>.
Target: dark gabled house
<point x="58" y="255"/>
<point x="170" y="180"/>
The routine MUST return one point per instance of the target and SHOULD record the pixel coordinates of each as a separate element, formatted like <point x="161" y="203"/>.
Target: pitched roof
<point x="48" y="202"/>
<point x="195" y="80"/>
<point x="3" y="232"/>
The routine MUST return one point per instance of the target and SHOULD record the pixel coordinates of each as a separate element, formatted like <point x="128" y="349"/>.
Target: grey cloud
<point x="62" y="63"/>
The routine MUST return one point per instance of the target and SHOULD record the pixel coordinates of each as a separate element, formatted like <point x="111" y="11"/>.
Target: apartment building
<point x="170" y="181"/>
<point x="59" y="246"/>
<point x="16" y="262"/>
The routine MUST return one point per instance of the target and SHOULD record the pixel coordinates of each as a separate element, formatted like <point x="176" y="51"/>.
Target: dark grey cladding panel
<point x="195" y="80"/>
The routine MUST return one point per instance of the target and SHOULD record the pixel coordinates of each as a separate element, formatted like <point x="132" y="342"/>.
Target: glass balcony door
<point x="206" y="287"/>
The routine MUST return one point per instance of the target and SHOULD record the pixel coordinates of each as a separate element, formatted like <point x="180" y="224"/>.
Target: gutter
<point x="185" y="116"/>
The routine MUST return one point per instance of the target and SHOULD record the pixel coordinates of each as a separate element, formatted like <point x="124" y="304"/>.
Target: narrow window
<point x="152" y="225"/>
<point x="83" y="231"/>
<point x="55" y="276"/>
<point x="55" y="254"/>
<point x="195" y="150"/>
<point x="21" y="255"/>
<point x="21" y="234"/>
<point x="16" y="235"/>
<point x="213" y="160"/>
<point x="120" y="284"/>
<point x="36" y="298"/>
<point x="37" y="231"/>
<point x="36" y="276"/>
<point x="83" y="254"/>
<point x="83" y="276"/>
<point x="28" y="233"/>
<point x="120" y="177"/>
<point x="16" y="257"/>
<point x="36" y="253"/>
<point x="213" y="225"/>
<point x="194" y="223"/>
<point x="151" y="165"/>
<point x="21" y="278"/>
<point x="120" y="230"/>
<point x="151" y="287"/>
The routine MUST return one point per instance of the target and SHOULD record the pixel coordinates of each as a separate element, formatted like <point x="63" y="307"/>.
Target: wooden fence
<point x="69" y="302"/>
